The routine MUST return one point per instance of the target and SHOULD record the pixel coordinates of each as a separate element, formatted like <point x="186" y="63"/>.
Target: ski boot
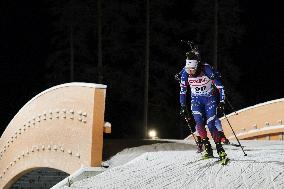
<point x="223" y="138"/>
<point x="222" y="154"/>
<point x="208" y="153"/>
<point x="199" y="144"/>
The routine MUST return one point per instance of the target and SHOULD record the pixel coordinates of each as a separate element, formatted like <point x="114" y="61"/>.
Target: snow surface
<point x="177" y="165"/>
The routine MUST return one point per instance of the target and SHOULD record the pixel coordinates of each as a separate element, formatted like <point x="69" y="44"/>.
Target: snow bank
<point x="177" y="165"/>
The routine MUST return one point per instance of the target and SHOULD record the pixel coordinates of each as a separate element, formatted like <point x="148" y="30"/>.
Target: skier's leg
<point x="197" y="111"/>
<point x="219" y="147"/>
<point x="221" y="152"/>
<point x="208" y="148"/>
<point x="218" y="124"/>
<point x="211" y="113"/>
<point x="210" y="108"/>
<point x="199" y="142"/>
<point x="222" y="136"/>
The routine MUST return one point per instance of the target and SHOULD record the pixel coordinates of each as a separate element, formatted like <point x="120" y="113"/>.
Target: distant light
<point x="152" y="134"/>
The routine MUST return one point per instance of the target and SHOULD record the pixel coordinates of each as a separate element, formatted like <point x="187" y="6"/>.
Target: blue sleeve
<point x="183" y="88"/>
<point x="181" y="72"/>
<point x="216" y="77"/>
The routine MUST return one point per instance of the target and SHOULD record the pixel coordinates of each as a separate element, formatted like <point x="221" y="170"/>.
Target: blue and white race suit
<point x="204" y="101"/>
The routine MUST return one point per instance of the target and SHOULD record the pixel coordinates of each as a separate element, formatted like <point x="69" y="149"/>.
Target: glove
<point x="177" y="77"/>
<point x="183" y="111"/>
<point x="220" y="109"/>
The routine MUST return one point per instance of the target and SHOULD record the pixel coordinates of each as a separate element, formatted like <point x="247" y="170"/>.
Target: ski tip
<point x="208" y="157"/>
<point x="225" y="161"/>
<point x="199" y="151"/>
<point x="232" y="144"/>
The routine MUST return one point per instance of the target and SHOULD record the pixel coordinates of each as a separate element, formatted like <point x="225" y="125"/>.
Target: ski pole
<point x="231" y="106"/>
<point x="187" y="121"/>
<point x="235" y="134"/>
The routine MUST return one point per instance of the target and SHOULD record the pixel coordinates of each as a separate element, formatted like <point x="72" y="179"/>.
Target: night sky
<point x="27" y="31"/>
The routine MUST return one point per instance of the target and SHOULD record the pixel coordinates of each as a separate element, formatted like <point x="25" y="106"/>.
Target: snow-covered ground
<point x="177" y="165"/>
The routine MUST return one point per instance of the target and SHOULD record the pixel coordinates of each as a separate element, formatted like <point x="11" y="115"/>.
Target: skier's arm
<point x="215" y="76"/>
<point x="220" y="87"/>
<point x="183" y="88"/>
<point x="181" y="72"/>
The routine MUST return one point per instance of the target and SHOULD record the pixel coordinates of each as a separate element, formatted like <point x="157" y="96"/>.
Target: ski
<point x="207" y="157"/>
<point x="232" y="144"/>
<point x="224" y="161"/>
<point x="199" y="151"/>
<point x="223" y="158"/>
<point x="221" y="161"/>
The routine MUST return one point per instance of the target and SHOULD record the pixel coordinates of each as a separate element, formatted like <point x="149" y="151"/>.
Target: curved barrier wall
<point x="60" y="128"/>
<point x="263" y="121"/>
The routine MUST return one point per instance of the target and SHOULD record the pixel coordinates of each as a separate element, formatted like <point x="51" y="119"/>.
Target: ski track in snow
<point x="177" y="166"/>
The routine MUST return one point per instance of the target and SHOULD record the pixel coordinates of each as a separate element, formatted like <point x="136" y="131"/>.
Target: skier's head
<point x="191" y="63"/>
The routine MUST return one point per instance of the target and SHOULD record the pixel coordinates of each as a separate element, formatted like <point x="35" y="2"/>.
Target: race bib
<point x="200" y="85"/>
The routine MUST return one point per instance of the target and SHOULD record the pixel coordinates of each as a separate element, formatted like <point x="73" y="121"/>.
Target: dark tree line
<point x="72" y="53"/>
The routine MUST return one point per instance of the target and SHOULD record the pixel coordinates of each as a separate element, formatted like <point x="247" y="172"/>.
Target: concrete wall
<point x="60" y="128"/>
<point x="262" y="122"/>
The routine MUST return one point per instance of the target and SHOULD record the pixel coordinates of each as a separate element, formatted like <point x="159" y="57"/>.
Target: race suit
<point x="204" y="101"/>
